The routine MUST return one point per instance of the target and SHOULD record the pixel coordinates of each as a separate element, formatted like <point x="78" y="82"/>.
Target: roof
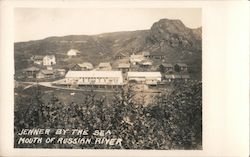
<point x="124" y="65"/>
<point x="31" y="69"/>
<point x="86" y="65"/>
<point x="146" y="62"/>
<point x="50" y="56"/>
<point x="73" y="51"/>
<point x="144" y="74"/>
<point x="61" y="70"/>
<point x="37" y="57"/>
<point x="167" y="65"/>
<point x="137" y="56"/>
<point x="94" y="74"/>
<point x="182" y="64"/>
<point x="47" y="72"/>
<point x="146" y="53"/>
<point x="105" y="64"/>
<point x="173" y="76"/>
<point x="157" y="53"/>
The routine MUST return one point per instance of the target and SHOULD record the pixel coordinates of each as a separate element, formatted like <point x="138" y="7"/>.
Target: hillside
<point x="168" y="37"/>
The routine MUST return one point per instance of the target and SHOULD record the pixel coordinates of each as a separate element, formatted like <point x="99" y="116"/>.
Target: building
<point x="146" y="54"/>
<point x="60" y="72"/>
<point x="94" y="77"/>
<point x="120" y="55"/>
<point x="168" y="67"/>
<point x="37" y="59"/>
<point x="135" y="59"/>
<point x="181" y="67"/>
<point x="105" y="66"/>
<point x="175" y="77"/>
<point x="45" y="74"/>
<point x="86" y="66"/>
<point x="73" y="52"/>
<point x="156" y="55"/>
<point x="76" y="67"/>
<point x="146" y="63"/>
<point x="31" y="72"/>
<point x="49" y="60"/>
<point x="82" y="66"/>
<point x="124" y="67"/>
<point x="172" y="77"/>
<point x="150" y="78"/>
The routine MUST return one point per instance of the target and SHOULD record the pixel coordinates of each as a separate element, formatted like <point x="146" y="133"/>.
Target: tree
<point x="177" y="68"/>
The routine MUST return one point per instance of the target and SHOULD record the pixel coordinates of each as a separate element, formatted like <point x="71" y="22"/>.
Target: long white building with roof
<point x="150" y="78"/>
<point x="94" y="77"/>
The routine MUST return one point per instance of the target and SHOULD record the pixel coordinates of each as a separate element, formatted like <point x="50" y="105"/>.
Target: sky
<point x="39" y="23"/>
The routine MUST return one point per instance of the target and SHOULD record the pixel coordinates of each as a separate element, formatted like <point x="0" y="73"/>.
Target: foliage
<point x="172" y="121"/>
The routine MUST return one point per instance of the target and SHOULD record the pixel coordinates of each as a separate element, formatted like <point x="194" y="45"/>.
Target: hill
<point x="170" y="38"/>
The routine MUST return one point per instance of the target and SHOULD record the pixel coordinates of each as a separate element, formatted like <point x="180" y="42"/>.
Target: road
<point x="49" y="85"/>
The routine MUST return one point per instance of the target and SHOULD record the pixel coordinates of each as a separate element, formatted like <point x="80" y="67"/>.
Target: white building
<point x="94" y="77"/>
<point x="134" y="59"/>
<point x="49" y="60"/>
<point x="73" y="52"/>
<point x="150" y="78"/>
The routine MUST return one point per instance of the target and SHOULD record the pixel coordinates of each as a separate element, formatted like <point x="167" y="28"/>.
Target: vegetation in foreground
<point x="172" y="121"/>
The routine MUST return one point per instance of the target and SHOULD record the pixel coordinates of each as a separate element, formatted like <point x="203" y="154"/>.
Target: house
<point x="105" y="66"/>
<point x="135" y="59"/>
<point x="146" y="54"/>
<point x="76" y="67"/>
<point x="45" y="74"/>
<point x="73" y="52"/>
<point x="60" y="72"/>
<point x="146" y="63"/>
<point x="82" y="66"/>
<point x="156" y="55"/>
<point x="94" y="77"/>
<point x="150" y="78"/>
<point x="31" y="72"/>
<point x="168" y="67"/>
<point x="120" y="55"/>
<point x="86" y="66"/>
<point x="181" y="67"/>
<point x="124" y="67"/>
<point x="37" y="59"/>
<point x="49" y="60"/>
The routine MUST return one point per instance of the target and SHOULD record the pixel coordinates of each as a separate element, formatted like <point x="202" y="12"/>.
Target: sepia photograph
<point x="108" y="78"/>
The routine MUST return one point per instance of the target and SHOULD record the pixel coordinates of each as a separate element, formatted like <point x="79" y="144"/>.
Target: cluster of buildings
<point x="104" y="74"/>
<point x="46" y="60"/>
<point x="44" y="68"/>
<point x="39" y="73"/>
